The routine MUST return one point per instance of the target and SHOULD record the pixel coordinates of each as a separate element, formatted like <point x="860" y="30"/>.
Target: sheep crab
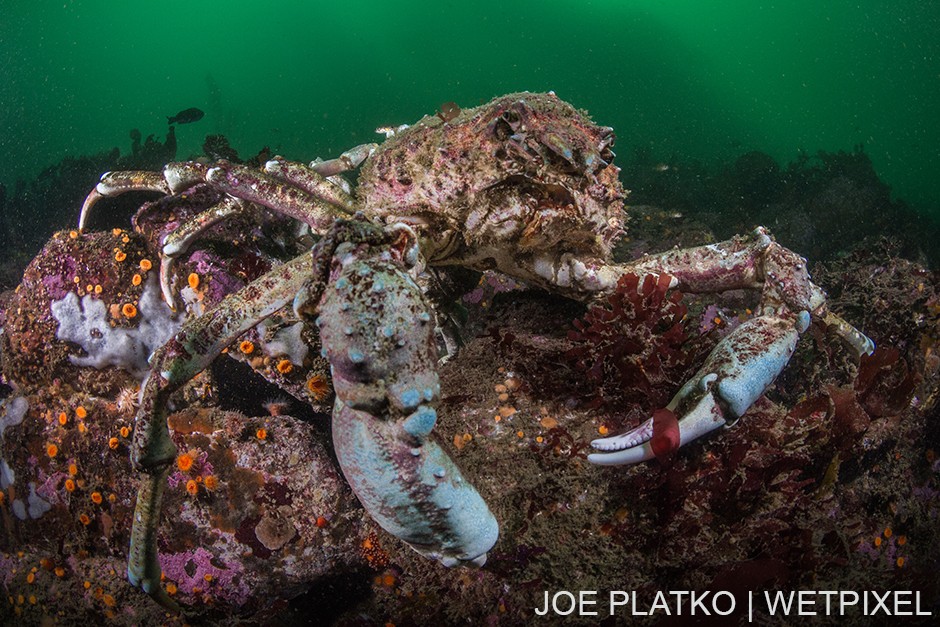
<point x="524" y="185"/>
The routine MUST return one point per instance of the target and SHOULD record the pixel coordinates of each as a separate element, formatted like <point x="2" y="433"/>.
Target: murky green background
<point x="691" y="78"/>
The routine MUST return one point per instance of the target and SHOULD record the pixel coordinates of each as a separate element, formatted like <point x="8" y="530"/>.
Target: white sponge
<point x="86" y="323"/>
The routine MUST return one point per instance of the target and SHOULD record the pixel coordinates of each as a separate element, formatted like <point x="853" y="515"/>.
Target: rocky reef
<point x="830" y="482"/>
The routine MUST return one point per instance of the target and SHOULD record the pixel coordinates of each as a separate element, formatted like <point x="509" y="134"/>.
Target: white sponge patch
<point x="86" y="323"/>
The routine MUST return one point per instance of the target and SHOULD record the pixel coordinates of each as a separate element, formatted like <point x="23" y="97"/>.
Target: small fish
<point x="186" y="116"/>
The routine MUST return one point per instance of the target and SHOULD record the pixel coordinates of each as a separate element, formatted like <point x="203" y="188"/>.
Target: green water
<point x="708" y="80"/>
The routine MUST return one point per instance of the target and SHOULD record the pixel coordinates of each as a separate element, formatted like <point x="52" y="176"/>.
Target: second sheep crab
<point x="523" y="185"/>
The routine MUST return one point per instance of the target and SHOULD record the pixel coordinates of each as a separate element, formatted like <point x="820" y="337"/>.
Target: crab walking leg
<point x="178" y="242"/>
<point x="115" y="183"/>
<point x="192" y="349"/>
<point x="143" y="562"/>
<point x="349" y="160"/>
<point x="753" y="261"/>
<point x="312" y="182"/>
<point x="257" y="187"/>
<point x="175" y="177"/>
<point x="379" y="338"/>
<point x="737" y="372"/>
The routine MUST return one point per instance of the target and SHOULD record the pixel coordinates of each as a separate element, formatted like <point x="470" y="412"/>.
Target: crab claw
<point x="737" y="372"/>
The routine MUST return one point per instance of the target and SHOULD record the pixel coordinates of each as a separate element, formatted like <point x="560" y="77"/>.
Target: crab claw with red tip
<point x="737" y="372"/>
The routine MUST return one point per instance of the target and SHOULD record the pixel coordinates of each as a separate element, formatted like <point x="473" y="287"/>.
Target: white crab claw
<point x="640" y="444"/>
<point x="738" y="371"/>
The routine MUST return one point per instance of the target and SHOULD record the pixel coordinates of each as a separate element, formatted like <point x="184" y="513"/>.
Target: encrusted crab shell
<point x="525" y="172"/>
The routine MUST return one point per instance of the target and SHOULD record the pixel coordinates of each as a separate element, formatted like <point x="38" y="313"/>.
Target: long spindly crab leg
<point x="193" y="348"/>
<point x="745" y="363"/>
<point x="294" y="189"/>
<point x="180" y="176"/>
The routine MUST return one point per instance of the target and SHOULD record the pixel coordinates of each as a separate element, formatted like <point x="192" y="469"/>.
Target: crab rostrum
<point x="523" y="185"/>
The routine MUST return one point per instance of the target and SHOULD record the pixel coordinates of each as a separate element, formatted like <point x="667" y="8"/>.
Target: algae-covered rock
<point x="255" y="511"/>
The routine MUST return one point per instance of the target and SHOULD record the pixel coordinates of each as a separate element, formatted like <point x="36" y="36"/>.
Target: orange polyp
<point x="81" y="412"/>
<point x="52" y="450"/>
<point x="184" y="462"/>
<point x="96" y="498"/>
<point x="246" y="347"/>
<point x="145" y="264"/>
<point x="193" y="280"/>
<point x="318" y="387"/>
<point x="129" y="310"/>
<point x="120" y="255"/>
<point x="136" y="279"/>
<point x="284" y="366"/>
<point x="192" y="487"/>
<point x="262" y="433"/>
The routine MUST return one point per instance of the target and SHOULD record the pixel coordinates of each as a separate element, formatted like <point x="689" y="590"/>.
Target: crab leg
<point x="744" y="364"/>
<point x="349" y="160"/>
<point x="192" y="349"/>
<point x="754" y="261"/>
<point x="181" y="175"/>
<point x="176" y="177"/>
<point x="177" y="242"/>
<point x="406" y="481"/>
<point x="379" y="337"/>
<point x="114" y="183"/>
<point x="308" y="179"/>
<point x="257" y="187"/>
